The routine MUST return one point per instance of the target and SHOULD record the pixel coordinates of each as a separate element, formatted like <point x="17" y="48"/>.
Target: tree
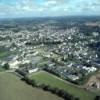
<point x="97" y="98"/>
<point x="6" y="66"/>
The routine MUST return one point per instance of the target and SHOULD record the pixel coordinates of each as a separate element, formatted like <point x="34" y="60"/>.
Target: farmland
<point x="12" y="88"/>
<point x="49" y="79"/>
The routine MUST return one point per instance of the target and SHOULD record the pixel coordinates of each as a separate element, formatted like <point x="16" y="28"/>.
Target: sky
<point x="43" y="8"/>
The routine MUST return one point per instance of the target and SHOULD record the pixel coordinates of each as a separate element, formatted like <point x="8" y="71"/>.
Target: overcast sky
<point x="41" y="8"/>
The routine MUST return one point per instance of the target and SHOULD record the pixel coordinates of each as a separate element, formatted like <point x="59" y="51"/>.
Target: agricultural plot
<point x="43" y="77"/>
<point x="12" y="88"/>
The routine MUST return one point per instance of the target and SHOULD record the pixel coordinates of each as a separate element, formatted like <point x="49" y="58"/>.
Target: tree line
<point x="59" y="92"/>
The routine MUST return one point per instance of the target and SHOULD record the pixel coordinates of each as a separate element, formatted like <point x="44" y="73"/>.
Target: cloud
<point x="49" y="7"/>
<point x="50" y="3"/>
<point x="88" y="7"/>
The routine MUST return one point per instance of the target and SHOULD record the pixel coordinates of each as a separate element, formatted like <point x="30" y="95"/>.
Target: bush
<point x="97" y="98"/>
<point x="6" y="66"/>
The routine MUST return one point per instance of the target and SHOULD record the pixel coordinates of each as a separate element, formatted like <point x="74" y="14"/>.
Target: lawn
<point x="12" y="88"/>
<point x="49" y="79"/>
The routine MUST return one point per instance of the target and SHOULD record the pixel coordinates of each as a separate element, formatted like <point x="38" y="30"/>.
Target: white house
<point x="33" y="70"/>
<point x="14" y="64"/>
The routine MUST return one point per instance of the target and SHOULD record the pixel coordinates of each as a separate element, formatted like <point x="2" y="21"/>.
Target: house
<point x="32" y="70"/>
<point x="90" y="69"/>
<point x="73" y="77"/>
<point x="14" y="64"/>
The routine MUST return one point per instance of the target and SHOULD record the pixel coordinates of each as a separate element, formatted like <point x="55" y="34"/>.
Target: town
<point x="68" y="50"/>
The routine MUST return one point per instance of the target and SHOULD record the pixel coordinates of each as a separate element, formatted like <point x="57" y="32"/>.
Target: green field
<point x="2" y="54"/>
<point x="1" y="69"/>
<point x="12" y="88"/>
<point x="49" y="79"/>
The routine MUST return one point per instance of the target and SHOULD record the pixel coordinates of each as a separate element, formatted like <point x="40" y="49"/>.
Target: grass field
<point x="49" y="79"/>
<point x="2" y="54"/>
<point x="12" y="88"/>
<point x="1" y="69"/>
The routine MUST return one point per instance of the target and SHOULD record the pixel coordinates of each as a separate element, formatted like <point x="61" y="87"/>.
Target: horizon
<point x="44" y="17"/>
